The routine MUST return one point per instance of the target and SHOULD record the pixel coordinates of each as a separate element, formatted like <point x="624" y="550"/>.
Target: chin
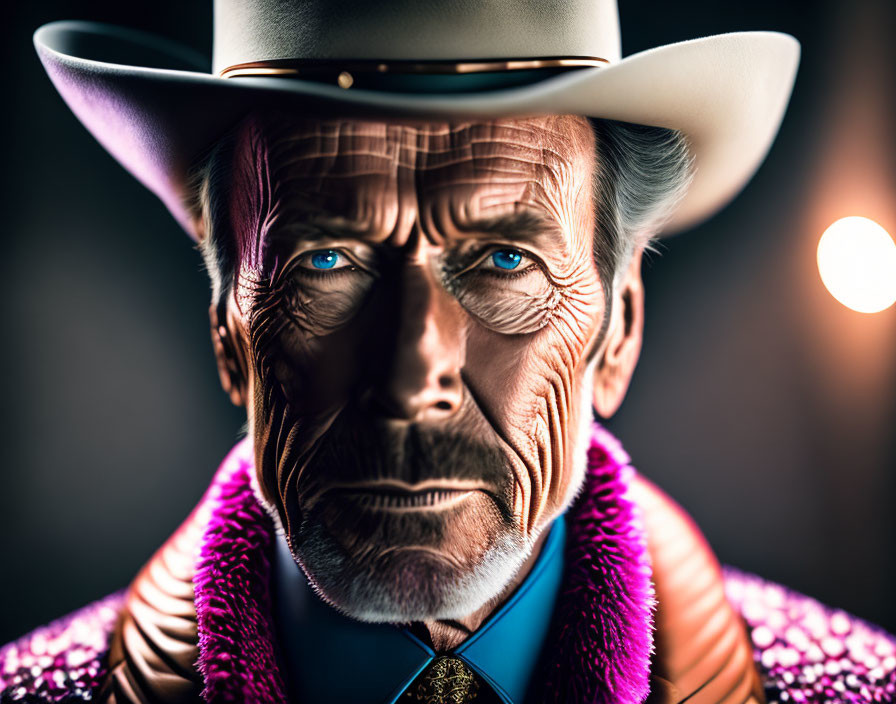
<point x="392" y="566"/>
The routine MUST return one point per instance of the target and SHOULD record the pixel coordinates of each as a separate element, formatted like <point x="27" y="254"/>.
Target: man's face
<point x="416" y="306"/>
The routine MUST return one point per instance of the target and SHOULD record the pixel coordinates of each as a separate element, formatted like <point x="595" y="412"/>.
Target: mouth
<point x="393" y="496"/>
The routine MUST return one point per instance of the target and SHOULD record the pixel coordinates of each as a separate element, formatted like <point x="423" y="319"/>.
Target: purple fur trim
<point x="602" y="634"/>
<point x="233" y="608"/>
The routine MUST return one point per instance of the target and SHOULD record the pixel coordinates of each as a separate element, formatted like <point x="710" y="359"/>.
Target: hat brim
<point x="153" y="105"/>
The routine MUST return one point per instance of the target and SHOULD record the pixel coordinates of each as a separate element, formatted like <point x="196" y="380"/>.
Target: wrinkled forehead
<point x="384" y="175"/>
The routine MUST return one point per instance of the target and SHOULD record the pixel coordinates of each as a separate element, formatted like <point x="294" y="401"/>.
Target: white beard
<point x="370" y="598"/>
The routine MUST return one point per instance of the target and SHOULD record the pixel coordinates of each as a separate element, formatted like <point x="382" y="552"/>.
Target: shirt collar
<point x="330" y="657"/>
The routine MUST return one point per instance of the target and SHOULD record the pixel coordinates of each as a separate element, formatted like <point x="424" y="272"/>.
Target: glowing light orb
<point x="857" y="263"/>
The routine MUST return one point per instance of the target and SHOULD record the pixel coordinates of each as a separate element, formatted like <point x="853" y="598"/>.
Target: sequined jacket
<point x="645" y="613"/>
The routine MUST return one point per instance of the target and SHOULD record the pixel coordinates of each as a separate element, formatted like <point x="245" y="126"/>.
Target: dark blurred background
<point x="760" y="403"/>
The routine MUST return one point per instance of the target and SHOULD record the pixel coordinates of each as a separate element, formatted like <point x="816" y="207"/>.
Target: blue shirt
<point x="335" y="659"/>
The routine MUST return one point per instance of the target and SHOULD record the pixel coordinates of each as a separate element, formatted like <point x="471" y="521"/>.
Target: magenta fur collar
<point x="601" y="638"/>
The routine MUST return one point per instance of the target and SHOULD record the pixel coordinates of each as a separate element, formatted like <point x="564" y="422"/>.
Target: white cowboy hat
<point x="155" y="106"/>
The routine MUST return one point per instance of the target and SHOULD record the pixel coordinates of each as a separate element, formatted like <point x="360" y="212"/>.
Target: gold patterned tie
<point x="449" y="680"/>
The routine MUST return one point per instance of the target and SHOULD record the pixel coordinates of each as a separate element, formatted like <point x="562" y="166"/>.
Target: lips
<point x="397" y="496"/>
<point x="406" y="500"/>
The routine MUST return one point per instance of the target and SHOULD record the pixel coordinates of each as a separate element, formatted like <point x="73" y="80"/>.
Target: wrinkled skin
<point x="417" y="307"/>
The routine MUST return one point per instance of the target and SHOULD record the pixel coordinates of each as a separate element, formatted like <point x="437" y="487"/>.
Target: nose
<point x="423" y="380"/>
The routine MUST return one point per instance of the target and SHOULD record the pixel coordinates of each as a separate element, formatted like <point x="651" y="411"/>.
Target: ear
<point x="622" y="344"/>
<point x="228" y="353"/>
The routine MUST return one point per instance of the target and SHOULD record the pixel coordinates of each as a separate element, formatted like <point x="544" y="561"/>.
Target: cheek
<point x="301" y="381"/>
<point x="532" y="387"/>
<point x="307" y="341"/>
<point x="317" y="375"/>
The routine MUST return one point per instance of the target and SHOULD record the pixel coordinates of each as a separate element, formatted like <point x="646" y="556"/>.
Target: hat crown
<point x="417" y="30"/>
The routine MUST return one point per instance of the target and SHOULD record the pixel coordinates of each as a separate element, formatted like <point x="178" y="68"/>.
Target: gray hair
<point x="642" y="172"/>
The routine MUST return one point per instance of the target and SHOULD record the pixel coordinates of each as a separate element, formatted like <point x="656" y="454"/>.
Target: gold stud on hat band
<point x="312" y="69"/>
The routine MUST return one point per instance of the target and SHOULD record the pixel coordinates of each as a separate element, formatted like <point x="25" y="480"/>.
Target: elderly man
<point x="419" y="311"/>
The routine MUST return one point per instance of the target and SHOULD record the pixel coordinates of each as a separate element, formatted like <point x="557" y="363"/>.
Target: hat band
<point x="344" y="70"/>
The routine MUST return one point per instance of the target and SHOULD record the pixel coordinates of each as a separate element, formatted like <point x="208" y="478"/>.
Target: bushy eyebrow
<point x="525" y="226"/>
<point x="322" y="228"/>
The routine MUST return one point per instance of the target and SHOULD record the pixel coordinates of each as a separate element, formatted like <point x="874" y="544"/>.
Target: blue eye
<point x="507" y="258"/>
<point x="324" y="259"/>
